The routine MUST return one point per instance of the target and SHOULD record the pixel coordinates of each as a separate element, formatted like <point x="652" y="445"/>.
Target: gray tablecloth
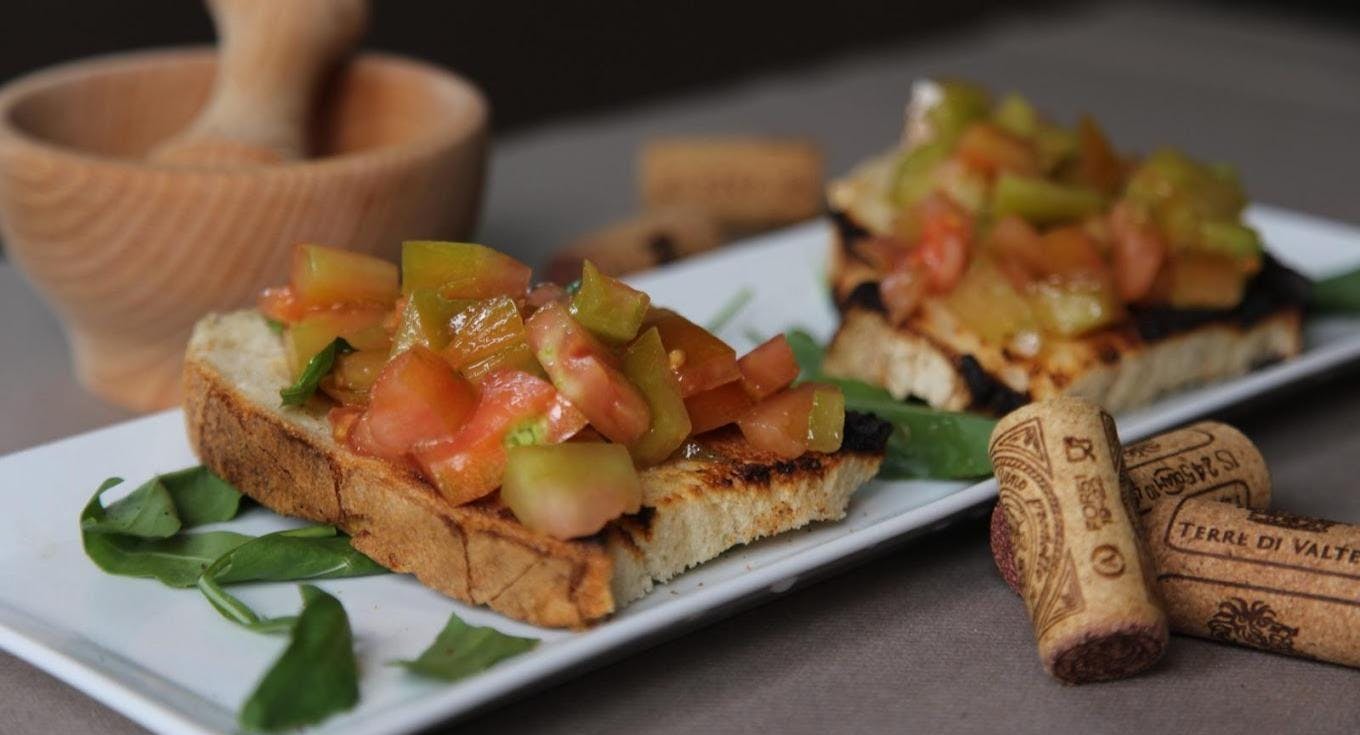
<point x="925" y="638"/>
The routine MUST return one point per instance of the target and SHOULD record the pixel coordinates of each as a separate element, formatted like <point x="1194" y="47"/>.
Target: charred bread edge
<point x="478" y="553"/>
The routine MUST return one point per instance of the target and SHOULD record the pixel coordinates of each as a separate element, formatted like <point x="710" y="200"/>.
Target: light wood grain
<point x="273" y="59"/>
<point x="131" y="253"/>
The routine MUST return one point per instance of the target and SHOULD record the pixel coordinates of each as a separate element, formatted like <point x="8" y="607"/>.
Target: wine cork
<point x="1265" y="579"/>
<point x="1083" y="573"/>
<point x="746" y="183"/>
<point x="651" y="239"/>
<point x="1207" y="460"/>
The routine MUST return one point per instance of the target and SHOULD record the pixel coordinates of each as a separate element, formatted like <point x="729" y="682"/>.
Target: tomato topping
<point x="280" y="304"/>
<point x="361" y="328"/>
<point x="1195" y="281"/>
<point x="701" y="361"/>
<point x="943" y="249"/>
<point x="768" y="368"/>
<point x="544" y="293"/>
<point x="424" y="319"/>
<point x="1074" y="305"/>
<point x="717" y="407"/>
<point x="416" y="398"/>
<point x="807" y="417"/>
<point x="902" y="290"/>
<point x="1098" y="166"/>
<point x="515" y="409"/>
<point x="585" y="371"/>
<point x="461" y="270"/>
<point x="1139" y="252"/>
<point x="609" y="308"/>
<point x="1069" y="251"/>
<point x="487" y="336"/>
<point x="353" y="375"/>
<point x="324" y="277"/>
<point x="987" y="148"/>
<point x="647" y="367"/>
<point x="570" y="490"/>
<point x="343" y="419"/>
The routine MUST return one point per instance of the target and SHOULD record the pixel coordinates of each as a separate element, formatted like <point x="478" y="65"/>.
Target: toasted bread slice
<point x="693" y="509"/>
<point x="933" y="356"/>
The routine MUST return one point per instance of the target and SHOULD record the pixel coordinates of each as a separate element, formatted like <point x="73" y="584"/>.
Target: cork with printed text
<point x="1260" y="578"/>
<point x="1083" y="574"/>
<point x="1208" y="460"/>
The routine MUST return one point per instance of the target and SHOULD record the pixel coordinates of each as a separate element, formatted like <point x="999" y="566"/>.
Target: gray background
<point x="926" y="637"/>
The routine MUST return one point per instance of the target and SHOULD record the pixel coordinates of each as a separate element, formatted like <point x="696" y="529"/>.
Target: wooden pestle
<point x="273" y="58"/>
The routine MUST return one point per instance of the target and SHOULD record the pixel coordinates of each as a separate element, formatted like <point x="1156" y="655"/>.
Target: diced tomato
<point x="461" y="270"/>
<point x="423" y="318"/>
<point x="648" y="368"/>
<point x="943" y="249"/>
<point x="1017" y="249"/>
<point x="1074" y="305"/>
<point x="1139" y="251"/>
<point x="353" y="376"/>
<point x="768" y="368"/>
<point x="280" y="304"/>
<point x="416" y="399"/>
<point x="515" y="409"/>
<point x="717" y="407"/>
<point x="1069" y="251"/>
<point x="488" y="335"/>
<point x="342" y="420"/>
<point x="362" y="328"/>
<point x="794" y="421"/>
<point x="902" y="290"/>
<point x="570" y="490"/>
<point x="611" y="309"/>
<point x="987" y="148"/>
<point x="701" y="361"/>
<point x="586" y="372"/>
<point x="323" y="277"/>
<point x="1195" y="281"/>
<point x="1098" y="166"/>
<point x="542" y="294"/>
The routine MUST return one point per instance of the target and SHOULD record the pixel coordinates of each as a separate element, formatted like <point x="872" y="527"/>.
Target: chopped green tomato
<point x="324" y="277"/>
<point x="960" y="105"/>
<point x="826" y="421"/>
<point x="791" y="421"/>
<point x="1055" y="145"/>
<point x="987" y="148"/>
<point x="609" y="308"/>
<point x="987" y="302"/>
<point x="586" y="372"/>
<point x="570" y="490"/>
<point x="1214" y="193"/>
<point x="914" y="178"/>
<point x="361" y="328"/>
<point x="354" y="375"/>
<point x="488" y="335"/>
<point x="718" y="407"/>
<point x="1017" y="116"/>
<point x="1098" y="166"/>
<point x="1043" y="202"/>
<point x="1230" y="239"/>
<point x="700" y="359"/>
<point x="461" y="270"/>
<point x="425" y="319"/>
<point x="648" y="368"/>
<point x="515" y="409"/>
<point x="310" y="377"/>
<point x="1073" y="306"/>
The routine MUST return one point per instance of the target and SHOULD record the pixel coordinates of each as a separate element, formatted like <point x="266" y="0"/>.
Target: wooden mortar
<point x="130" y="252"/>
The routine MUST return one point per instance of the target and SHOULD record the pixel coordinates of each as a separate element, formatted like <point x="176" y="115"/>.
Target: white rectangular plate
<point x="164" y="658"/>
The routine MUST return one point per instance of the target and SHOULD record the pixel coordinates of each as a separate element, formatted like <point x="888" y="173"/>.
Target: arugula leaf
<point x="728" y="311"/>
<point x="1338" y="293"/>
<point x="201" y="496"/>
<point x="163" y="505"/>
<point x="461" y="650"/>
<point x="317" y="675"/>
<point x="231" y="608"/>
<point x="136" y="537"/>
<point x="925" y="442"/>
<point x="317" y="368"/>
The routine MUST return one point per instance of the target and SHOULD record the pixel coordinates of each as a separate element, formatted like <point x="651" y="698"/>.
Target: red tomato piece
<point x="791" y="422"/>
<point x="1139" y="252"/>
<point x="988" y="149"/>
<point x="417" y="398"/>
<point x="768" y="368"/>
<point x="701" y="361"/>
<point x="515" y="409"/>
<point x="902" y="290"/>
<point x="717" y="407"/>
<point x="942" y="252"/>
<point x="587" y="373"/>
<point x="281" y="304"/>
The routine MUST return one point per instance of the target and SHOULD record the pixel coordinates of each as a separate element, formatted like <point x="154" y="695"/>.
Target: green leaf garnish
<point x="461" y="650"/>
<point x="275" y="325"/>
<point x="1337" y="293"/>
<point x="728" y="311"/>
<point x="317" y="368"/>
<point x="315" y="677"/>
<point x="925" y="442"/>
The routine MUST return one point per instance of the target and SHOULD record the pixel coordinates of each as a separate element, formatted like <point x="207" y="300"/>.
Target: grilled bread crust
<point x="693" y="509"/>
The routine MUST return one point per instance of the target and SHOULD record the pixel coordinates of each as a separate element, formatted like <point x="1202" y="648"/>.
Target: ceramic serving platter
<point x="164" y="658"/>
